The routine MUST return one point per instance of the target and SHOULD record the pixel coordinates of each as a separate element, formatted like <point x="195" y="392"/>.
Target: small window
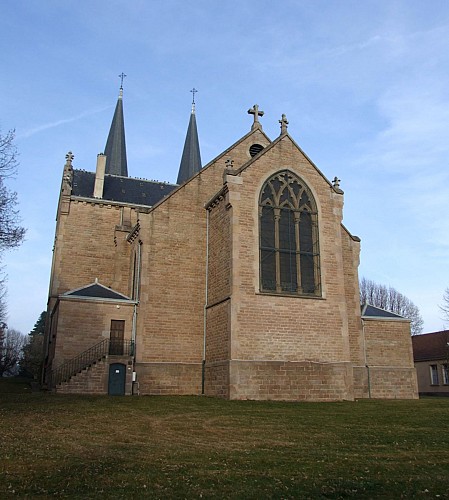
<point x="434" y="375"/>
<point x="254" y="149"/>
<point x="117" y="336"/>
<point x="445" y="369"/>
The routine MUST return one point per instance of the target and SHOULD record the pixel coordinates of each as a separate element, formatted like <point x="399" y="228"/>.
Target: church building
<point x="240" y="281"/>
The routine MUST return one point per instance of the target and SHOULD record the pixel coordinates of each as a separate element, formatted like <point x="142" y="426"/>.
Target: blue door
<point x="117" y="377"/>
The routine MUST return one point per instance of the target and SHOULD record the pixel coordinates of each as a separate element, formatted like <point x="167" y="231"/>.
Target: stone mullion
<point x="316" y="252"/>
<point x="298" y="253"/>
<point x="277" y="215"/>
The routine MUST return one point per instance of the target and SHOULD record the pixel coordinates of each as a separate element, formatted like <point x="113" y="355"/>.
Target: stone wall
<point x="217" y="379"/>
<point x="287" y="328"/>
<point x="351" y="258"/>
<point x="82" y="324"/>
<point x="91" y="243"/>
<point x="388" y="342"/>
<point x="173" y="286"/>
<point x="290" y="381"/>
<point x="169" y="378"/>
<point x="389" y="372"/>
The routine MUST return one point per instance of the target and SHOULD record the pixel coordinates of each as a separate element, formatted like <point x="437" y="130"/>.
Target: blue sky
<point x="364" y="85"/>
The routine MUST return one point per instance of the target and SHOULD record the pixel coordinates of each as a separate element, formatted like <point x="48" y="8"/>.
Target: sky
<point x="364" y="86"/>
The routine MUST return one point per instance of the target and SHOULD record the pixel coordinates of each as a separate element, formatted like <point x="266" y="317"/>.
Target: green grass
<point x="192" y="447"/>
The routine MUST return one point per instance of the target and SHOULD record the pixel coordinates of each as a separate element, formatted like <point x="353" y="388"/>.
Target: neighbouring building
<point x="239" y="282"/>
<point x="431" y="355"/>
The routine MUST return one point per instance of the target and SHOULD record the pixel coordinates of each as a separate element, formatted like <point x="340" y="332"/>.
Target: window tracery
<point x="289" y="252"/>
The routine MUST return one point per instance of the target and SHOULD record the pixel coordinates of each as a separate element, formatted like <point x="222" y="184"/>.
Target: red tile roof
<point x="431" y="346"/>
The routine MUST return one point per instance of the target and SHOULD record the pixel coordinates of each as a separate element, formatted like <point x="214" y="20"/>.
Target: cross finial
<point x="69" y="158"/>
<point x="283" y="121"/>
<point x="255" y="111"/>
<point x="122" y="76"/>
<point x="194" y="91"/>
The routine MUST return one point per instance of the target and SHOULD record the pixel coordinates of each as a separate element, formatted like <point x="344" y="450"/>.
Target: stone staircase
<point x="88" y="372"/>
<point x="91" y="380"/>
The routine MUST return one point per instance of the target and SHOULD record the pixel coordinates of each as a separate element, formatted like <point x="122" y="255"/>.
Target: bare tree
<point x="444" y="307"/>
<point x="11" y="345"/>
<point x="390" y="299"/>
<point x="11" y="232"/>
<point x="2" y="297"/>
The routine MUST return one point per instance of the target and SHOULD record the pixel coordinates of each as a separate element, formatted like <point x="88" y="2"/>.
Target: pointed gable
<point x="283" y="137"/>
<point x="369" y="311"/>
<point x="95" y="291"/>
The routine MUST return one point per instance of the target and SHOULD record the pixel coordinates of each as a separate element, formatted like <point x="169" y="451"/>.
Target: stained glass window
<point x="289" y="254"/>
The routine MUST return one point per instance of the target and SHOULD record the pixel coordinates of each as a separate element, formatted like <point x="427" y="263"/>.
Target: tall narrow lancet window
<point x="289" y="253"/>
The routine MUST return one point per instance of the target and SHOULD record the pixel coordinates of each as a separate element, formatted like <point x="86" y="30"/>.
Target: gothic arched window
<point x="289" y="253"/>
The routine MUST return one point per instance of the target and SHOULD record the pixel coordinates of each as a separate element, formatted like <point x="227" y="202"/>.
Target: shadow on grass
<point x="17" y="385"/>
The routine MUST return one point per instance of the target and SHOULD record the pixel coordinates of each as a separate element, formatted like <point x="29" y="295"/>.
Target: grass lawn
<point x="196" y="447"/>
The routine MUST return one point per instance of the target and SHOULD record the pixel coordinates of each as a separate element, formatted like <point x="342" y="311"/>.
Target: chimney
<point x="99" y="176"/>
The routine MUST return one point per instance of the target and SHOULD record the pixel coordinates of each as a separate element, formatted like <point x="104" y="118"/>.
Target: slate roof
<point x="191" y="157"/>
<point x="376" y="312"/>
<point x="121" y="189"/>
<point x="98" y="291"/>
<point x="431" y="346"/>
<point x="115" y="150"/>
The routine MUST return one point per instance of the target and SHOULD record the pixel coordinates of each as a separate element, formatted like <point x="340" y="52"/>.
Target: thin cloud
<point x="36" y="130"/>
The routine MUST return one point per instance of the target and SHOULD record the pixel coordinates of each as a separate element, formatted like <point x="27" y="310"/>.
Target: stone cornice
<point x="217" y="198"/>
<point x="110" y="203"/>
<point x="133" y="234"/>
<point x="97" y="300"/>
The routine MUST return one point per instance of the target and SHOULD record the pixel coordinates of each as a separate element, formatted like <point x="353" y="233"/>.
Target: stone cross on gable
<point x="229" y="164"/>
<point x="255" y="111"/>
<point x="283" y="121"/>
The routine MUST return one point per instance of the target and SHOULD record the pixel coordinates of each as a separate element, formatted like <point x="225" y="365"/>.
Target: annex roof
<point x="97" y="291"/>
<point x="369" y="311"/>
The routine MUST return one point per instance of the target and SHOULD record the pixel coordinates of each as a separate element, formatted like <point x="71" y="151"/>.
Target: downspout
<point x="366" y="360"/>
<point x="134" y="325"/>
<point x="206" y="298"/>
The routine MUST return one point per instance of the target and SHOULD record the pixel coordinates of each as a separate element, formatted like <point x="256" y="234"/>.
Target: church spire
<point x="191" y="157"/>
<point x="115" y="150"/>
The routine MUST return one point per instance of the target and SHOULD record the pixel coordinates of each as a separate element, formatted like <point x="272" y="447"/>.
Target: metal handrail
<point x="85" y="359"/>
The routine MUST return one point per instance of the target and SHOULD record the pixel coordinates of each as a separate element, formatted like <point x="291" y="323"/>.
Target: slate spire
<point x="191" y="157"/>
<point x="115" y="150"/>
